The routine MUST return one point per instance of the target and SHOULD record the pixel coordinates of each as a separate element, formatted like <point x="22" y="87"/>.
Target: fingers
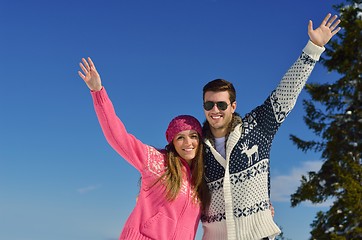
<point x="336" y="30"/>
<point x="86" y="67"/>
<point x="85" y="71"/>
<point x="331" y="23"/>
<point x="85" y="64"/>
<point x="272" y="209"/>
<point x="324" y="22"/>
<point x="335" y="24"/>
<point x="81" y="75"/>
<point x="91" y="63"/>
<point x="310" y="26"/>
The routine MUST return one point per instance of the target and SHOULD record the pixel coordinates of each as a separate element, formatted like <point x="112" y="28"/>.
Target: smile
<point x="216" y="116"/>
<point x="188" y="149"/>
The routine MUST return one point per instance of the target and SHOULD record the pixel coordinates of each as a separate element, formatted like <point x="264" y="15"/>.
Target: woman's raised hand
<point x="90" y="75"/>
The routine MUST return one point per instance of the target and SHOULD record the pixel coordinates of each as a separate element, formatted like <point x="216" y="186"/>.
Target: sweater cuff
<point x="99" y="97"/>
<point x="313" y="50"/>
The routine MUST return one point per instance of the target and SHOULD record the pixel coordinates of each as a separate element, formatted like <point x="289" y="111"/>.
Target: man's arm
<point x="285" y="96"/>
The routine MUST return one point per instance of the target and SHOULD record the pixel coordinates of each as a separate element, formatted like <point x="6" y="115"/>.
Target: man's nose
<point x="215" y="107"/>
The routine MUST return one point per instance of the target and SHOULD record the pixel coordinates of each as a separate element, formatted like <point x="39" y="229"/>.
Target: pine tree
<point x="334" y="114"/>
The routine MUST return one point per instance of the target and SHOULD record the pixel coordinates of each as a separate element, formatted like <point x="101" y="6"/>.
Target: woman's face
<point x="186" y="144"/>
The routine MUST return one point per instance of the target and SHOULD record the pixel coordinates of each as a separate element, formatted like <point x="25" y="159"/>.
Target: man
<point x="237" y="149"/>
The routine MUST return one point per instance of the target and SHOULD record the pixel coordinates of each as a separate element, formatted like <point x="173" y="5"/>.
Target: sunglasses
<point x="220" y="105"/>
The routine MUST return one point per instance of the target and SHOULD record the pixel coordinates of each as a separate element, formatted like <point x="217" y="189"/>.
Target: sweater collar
<point x="206" y="131"/>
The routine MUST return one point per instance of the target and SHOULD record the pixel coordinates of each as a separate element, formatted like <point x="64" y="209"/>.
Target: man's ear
<point x="233" y="106"/>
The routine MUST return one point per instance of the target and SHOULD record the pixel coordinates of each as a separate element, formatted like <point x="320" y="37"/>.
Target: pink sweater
<point x="153" y="216"/>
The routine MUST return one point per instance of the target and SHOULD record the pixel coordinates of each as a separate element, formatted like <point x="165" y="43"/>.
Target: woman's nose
<point x="187" y="140"/>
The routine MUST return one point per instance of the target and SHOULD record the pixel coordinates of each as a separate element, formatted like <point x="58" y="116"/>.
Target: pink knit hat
<point x="182" y="123"/>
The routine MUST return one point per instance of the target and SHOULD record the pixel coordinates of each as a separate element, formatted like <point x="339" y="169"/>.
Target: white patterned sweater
<point x="239" y="184"/>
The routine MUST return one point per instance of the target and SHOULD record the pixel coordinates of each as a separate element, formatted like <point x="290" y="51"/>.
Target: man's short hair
<point x="220" y="85"/>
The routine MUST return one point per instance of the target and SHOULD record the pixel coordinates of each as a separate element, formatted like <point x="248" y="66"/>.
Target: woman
<point x="173" y="191"/>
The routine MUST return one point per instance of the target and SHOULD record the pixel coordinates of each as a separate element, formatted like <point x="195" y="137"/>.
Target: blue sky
<point x="59" y="179"/>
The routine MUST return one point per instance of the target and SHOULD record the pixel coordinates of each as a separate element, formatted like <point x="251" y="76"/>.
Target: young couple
<point x="218" y="173"/>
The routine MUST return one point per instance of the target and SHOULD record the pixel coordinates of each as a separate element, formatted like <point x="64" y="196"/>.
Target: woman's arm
<point x="129" y="147"/>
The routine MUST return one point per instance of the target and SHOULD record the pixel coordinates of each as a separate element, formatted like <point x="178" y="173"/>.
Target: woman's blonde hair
<point x="172" y="178"/>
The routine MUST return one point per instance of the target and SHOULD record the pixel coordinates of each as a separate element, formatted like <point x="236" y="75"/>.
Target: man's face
<point x="219" y="119"/>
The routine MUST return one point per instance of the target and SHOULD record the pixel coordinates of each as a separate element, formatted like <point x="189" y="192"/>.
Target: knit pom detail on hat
<point x="182" y="123"/>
